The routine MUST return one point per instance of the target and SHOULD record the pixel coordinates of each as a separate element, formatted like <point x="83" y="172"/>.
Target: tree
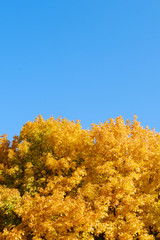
<point x="59" y="181"/>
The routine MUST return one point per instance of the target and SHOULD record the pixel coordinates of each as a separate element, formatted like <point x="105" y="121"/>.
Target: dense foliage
<point x="58" y="181"/>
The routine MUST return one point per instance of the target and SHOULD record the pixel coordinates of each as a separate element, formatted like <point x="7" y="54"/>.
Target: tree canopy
<point x="59" y="181"/>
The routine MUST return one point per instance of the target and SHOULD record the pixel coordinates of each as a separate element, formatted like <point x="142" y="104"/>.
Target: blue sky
<point x="88" y="60"/>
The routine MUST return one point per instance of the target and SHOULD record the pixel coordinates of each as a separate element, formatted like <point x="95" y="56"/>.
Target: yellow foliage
<point x="59" y="181"/>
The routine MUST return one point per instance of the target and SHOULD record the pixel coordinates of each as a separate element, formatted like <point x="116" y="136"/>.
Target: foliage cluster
<point x="59" y="181"/>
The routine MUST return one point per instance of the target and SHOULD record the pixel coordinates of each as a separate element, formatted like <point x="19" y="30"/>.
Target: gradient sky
<point x="88" y="60"/>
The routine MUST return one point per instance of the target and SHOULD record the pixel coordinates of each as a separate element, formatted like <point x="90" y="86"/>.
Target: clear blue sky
<point x="88" y="60"/>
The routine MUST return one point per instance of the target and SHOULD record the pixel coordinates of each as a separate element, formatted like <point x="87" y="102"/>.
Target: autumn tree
<point x="59" y="181"/>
